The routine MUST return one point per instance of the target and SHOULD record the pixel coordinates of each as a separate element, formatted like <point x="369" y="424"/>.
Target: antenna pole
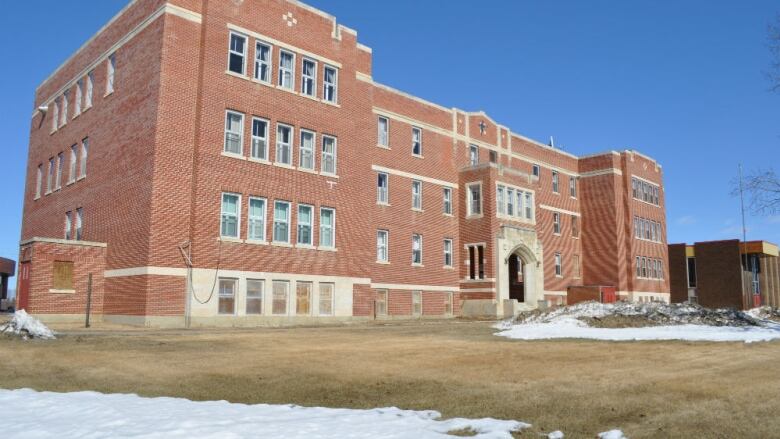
<point x="743" y="259"/>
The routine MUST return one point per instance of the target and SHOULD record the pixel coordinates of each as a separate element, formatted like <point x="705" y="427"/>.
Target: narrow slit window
<point x="262" y="62"/>
<point x="305" y="234"/>
<point x="286" y="69"/>
<point x="306" y="152"/>
<point x="237" y="54"/>
<point x="283" y="146"/>
<point x="329" y="155"/>
<point x="234" y="132"/>
<point x="282" y="222"/>
<point x="309" y="77"/>
<point x="259" y="139"/>
<point x="331" y="84"/>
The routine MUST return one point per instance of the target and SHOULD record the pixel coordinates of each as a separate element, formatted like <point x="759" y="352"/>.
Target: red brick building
<point x="233" y="162"/>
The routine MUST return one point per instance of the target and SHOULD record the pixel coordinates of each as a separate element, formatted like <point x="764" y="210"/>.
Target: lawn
<point x="647" y="389"/>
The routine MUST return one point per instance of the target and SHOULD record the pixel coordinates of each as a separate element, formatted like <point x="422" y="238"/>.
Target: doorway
<point x="516" y="278"/>
<point x="24" y="286"/>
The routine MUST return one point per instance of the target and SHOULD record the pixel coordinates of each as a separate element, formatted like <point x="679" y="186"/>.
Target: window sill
<point x="328" y="174"/>
<point x="448" y="267"/>
<point x="332" y="104"/>
<point x="327" y="249"/>
<point x="284" y="165"/>
<point x="255" y="80"/>
<point x="47" y="193"/>
<point x="417" y="265"/>
<point x="383" y="262"/>
<point x="556" y="234"/>
<point x="233" y="155"/>
<point x="556" y="193"/>
<point x="81" y="178"/>
<point x="419" y="156"/>
<point x="70" y="182"/>
<point x="448" y="214"/>
<point x="229" y="239"/>
<point x="474" y="216"/>
<point x="380" y="203"/>
<point x="310" y="97"/>
<point x="56" y="291"/>
<point x="281" y="244"/>
<point x="307" y="170"/>
<point x="414" y="209"/>
<point x="37" y="198"/>
<point x="236" y="75"/>
<point x="288" y="90"/>
<point x="306" y="246"/>
<point x="109" y="93"/>
<point x="260" y="161"/>
<point x="379" y="145"/>
<point x="256" y="242"/>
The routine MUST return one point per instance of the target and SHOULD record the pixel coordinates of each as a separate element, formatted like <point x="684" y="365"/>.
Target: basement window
<point x="416" y="303"/>
<point x="227" y="296"/>
<point x="254" y="296"/>
<point x="62" y="275"/>
<point x="381" y="303"/>
<point x="327" y="295"/>
<point x="281" y="290"/>
<point x="303" y="298"/>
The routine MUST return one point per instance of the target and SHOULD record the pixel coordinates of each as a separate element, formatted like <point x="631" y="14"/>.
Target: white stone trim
<point x="555" y="209"/>
<point x="414" y="176"/>
<point x="146" y="271"/>
<point x="166" y="8"/>
<point x="477" y="290"/>
<point x="63" y="241"/>
<point x="379" y="286"/>
<point x="364" y="48"/>
<point x="607" y="171"/>
<point x="658" y="185"/>
<point x="283" y="45"/>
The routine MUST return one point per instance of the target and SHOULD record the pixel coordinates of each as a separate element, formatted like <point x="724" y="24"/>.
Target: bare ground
<point x="648" y="389"/>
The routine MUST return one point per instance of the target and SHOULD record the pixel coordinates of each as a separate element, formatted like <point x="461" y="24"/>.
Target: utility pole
<point x="743" y="259"/>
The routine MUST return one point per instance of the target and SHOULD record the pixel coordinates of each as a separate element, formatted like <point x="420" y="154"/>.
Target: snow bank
<point x="27" y="326"/>
<point x="573" y="328"/>
<point x="96" y="415"/>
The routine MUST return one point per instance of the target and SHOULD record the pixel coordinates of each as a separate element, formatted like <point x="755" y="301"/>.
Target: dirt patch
<point x="618" y="321"/>
<point x="647" y="389"/>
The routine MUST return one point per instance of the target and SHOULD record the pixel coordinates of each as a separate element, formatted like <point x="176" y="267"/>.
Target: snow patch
<point x="96" y="415"/>
<point x="612" y="434"/>
<point x="26" y="326"/>
<point x="557" y="434"/>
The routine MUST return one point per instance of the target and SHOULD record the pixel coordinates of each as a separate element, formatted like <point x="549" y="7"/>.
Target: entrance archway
<point x="516" y="278"/>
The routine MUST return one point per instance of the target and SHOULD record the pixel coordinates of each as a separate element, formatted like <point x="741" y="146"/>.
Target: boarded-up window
<point x="254" y="296"/>
<point x="416" y="303"/>
<point x="280" y="291"/>
<point x="302" y="298"/>
<point x="62" y="277"/>
<point x="326" y="299"/>
<point x="381" y="303"/>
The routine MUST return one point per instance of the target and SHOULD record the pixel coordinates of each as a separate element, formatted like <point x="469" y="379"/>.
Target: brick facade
<point x="158" y="166"/>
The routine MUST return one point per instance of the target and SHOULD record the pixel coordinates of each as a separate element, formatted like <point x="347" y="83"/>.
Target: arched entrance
<point x="516" y="278"/>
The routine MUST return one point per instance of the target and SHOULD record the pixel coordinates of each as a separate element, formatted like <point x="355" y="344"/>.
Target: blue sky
<point x="679" y="81"/>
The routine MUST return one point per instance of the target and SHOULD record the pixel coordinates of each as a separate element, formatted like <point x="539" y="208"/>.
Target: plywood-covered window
<point x="62" y="275"/>
<point x="303" y="298"/>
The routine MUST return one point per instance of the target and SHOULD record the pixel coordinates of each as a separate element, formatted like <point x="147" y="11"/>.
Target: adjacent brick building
<point x="725" y="274"/>
<point x="233" y="162"/>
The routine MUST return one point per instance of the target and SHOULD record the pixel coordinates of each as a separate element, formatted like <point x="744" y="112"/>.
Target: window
<point x="64" y="112"/>
<point x="234" y="132"/>
<point x="330" y="84"/>
<point x="691" y="272"/>
<point x="558" y="265"/>
<point x="38" y="181"/>
<point x="575" y="226"/>
<point x="281" y="290"/>
<point x="476" y="261"/>
<point x="416" y="303"/>
<point x="416" y="249"/>
<point x="382" y="191"/>
<point x="79" y="222"/>
<point x="230" y="215"/>
<point x="111" y="65"/>
<point x="50" y="179"/>
<point x="328" y="155"/>
<point x="535" y="171"/>
<point x="283" y="147"/>
<point x="73" y="162"/>
<point x="256" y="231"/>
<point x="573" y="186"/>
<point x="575" y="261"/>
<point x="660" y="269"/>
<point x="644" y="267"/>
<point x="227" y="296"/>
<point x="500" y="200"/>
<point x="448" y="253"/>
<point x="90" y="86"/>
<point x="68" y="225"/>
<point x="448" y="304"/>
<point x="254" y="296"/>
<point x="60" y="165"/>
<point x="305" y="234"/>
<point x="77" y="104"/>
<point x="475" y="199"/>
<point x="493" y="156"/>
<point x="380" y="303"/>
<point x="327" y="295"/>
<point x="303" y="298"/>
<point x="286" y="67"/>
<point x="556" y="223"/>
<point x="237" y="53"/>
<point x="381" y="246"/>
<point x="555" y="181"/>
<point x="644" y="191"/>
<point x="262" y="62"/>
<point x="309" y="77"/>
<point x="62" y="275"/>
<point x="306" y="154"/>
<point x="84" y="151"/>
<point x="510" y="201"/>
<point x="416" y="141"/>
<point x="528" y="206"/>
<point x="447" y="195"/>
<point x="473" y="155"/>
<point x="55" y="116"/>
<point x="259" y="139"/>
<point x="416" y="195"/>
<point x="327" y="227"/>
<point x="638" y="266"/>
<point x="282" y="222"/>
<point x="383" y="131"/>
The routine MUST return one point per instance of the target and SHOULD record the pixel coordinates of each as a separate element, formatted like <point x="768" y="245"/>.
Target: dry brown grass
<point x="648" y="389"/>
